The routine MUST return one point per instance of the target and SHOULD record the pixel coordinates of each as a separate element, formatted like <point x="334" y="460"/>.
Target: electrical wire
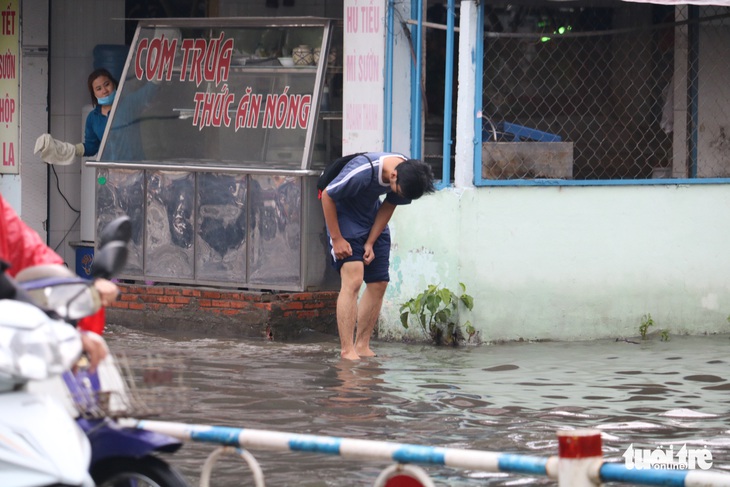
<point x="58" y="187"/>
<point x="68" y="203"/>
<point x="78" y="217"/>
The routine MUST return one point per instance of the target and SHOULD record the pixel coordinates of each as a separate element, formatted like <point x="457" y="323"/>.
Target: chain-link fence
<point x="632" y="91"/>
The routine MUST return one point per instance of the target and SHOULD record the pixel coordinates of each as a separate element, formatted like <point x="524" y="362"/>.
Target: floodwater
<point x="509" y="398"/>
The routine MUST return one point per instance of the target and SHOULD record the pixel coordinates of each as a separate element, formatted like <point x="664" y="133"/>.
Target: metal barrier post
<point x="580" y="458"/>
<point x="403" y="475"/>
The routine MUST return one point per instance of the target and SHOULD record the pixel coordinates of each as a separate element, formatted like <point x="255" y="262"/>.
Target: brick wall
<point x="276" y="316"/>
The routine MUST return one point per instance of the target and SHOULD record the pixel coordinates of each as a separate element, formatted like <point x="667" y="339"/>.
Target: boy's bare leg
<point x="351" y="275"/>
<point x="367" y="316"/>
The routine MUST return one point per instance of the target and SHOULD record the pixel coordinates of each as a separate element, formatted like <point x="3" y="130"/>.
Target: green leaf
<point x="442" y="316"/>
<point x="468" y="301"/>
<point x="404" y="319"/>
<point x="470" y="330"/>
<point x="463" y="288"/>
<point x="445" y="295"/>
<point x="432" y="303"/>
<point x="418" y="304"/>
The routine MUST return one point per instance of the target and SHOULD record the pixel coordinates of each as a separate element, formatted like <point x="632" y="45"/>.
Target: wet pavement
<point x="510" y="398"/>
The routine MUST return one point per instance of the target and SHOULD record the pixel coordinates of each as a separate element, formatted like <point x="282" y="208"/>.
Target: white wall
<point x="569" y="263"/>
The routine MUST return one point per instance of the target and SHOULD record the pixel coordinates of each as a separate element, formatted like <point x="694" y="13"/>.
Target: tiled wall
<point x="76" y="27"/>
<point x="28" y="193"/>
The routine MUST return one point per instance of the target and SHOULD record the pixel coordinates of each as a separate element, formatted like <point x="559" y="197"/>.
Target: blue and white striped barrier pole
<point x="349" y="448"/>
<point x="480" y="460"/>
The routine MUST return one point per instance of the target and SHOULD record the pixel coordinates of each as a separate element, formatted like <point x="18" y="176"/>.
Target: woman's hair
<point x="96" y="74"/>
<point x="414" y="178"/>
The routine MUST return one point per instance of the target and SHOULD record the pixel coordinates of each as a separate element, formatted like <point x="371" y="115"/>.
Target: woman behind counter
<point x="102" y="89"/>
<point x="127" y="146"/>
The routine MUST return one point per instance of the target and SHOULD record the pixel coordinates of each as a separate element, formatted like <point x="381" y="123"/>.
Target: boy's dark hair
<point x="95" y="74"/>
<point x="415" y="178"/>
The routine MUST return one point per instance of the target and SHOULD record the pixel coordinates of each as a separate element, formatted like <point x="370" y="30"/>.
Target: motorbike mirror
<point x="110" y="259"/>
<point x="118" y="229"/>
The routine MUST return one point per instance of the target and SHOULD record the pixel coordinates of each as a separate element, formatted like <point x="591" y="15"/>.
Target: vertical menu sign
<point x="363" y="88"/>
<point x="9" y="104"/>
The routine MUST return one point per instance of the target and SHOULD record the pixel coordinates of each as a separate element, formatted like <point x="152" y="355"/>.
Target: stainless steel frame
<point x="223" y="223"/>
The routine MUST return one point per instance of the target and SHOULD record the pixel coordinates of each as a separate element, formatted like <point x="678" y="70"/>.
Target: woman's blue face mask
<point x="107" y="100"/>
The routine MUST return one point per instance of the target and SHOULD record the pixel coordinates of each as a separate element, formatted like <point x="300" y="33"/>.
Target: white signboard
<point x="364" y="81"/>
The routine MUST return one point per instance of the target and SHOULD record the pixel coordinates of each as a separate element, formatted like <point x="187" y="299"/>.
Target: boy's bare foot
<point x="366" y="353"/>
<point x="349" y="356"/>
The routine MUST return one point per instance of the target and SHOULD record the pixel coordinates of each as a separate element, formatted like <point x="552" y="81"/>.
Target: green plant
<point x="436" y="310"/>
<point x="664" y="335"/>
<point x="646" y="322"/>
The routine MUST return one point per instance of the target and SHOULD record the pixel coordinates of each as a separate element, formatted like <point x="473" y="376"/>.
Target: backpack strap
<point x="372" y="174"/>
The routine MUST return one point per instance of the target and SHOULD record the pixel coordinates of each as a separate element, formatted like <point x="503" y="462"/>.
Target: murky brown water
<point x="510" y="398"/>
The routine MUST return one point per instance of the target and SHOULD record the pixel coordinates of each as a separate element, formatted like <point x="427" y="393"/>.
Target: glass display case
<point x="218" y="132"/>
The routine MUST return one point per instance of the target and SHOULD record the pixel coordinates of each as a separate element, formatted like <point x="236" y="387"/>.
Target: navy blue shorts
<point x="377" y="270"/>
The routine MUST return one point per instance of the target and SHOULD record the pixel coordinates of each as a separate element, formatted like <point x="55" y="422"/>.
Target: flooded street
<point x="509" y="398"/>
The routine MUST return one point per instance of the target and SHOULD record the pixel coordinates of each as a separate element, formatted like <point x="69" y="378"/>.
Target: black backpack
<point x="333" y="169"/>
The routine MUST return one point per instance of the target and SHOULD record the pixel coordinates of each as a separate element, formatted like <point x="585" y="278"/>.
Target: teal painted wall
<point x="568" y="263"/>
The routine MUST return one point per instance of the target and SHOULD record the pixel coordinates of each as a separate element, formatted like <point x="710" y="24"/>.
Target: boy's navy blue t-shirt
<point x="356" y="192"/>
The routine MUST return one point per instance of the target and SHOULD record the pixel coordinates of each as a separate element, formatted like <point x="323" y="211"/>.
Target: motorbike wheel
<point x="136" y="472"/>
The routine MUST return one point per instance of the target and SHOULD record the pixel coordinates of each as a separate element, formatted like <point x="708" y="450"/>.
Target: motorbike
<point x="40" y="444"/>
<point x="96" y="399"/>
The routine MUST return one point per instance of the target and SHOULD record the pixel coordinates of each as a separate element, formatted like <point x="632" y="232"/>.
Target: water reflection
<point x="511" y="398"/>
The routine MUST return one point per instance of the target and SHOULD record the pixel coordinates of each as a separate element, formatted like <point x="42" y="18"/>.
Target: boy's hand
<point x="369" y="255"/>
<point x="341" y="248"/>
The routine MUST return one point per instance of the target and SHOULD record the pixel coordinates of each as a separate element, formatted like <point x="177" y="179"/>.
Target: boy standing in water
<point x="357" y="225"/>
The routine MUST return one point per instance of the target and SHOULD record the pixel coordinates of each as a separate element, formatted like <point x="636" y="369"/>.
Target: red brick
<point x="205" y="303"/>
<point x="191" y="292"/>
<point x="219" y="303"/>
<point x="181" y="300"/>
<point x="230" y="312"/>
<point x="154" y="290"/>
<point x="166" y="299"/>
<point x="314" y="305"/>
<point x="303" y="296"/>
<point x="175" y="306"/>
<point x="291" y="305"/>
<point x="211" y="294"/>
<point x="120" y="305"/>
<point x="173" y="291"/>
<point x="128" y="297"/>
<point x="138" y="306"/>
<point x="266" y="306"/>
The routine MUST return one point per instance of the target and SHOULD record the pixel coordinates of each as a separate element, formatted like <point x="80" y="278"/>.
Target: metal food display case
<point x="218" y="132"/>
